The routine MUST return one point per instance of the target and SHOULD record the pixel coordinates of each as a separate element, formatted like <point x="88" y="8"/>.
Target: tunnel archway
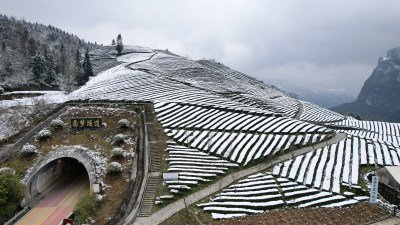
<point x="55" y="165"/>
<point x="56" y="170"/>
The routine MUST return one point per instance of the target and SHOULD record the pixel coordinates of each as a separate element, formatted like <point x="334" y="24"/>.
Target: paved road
<point x="175" y="207"/>
<point x="58" y="204"/>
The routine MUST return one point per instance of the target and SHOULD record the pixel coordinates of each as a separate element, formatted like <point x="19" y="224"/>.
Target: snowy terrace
<point x="260" y="192"/>
<point x="236" y="136"/>
<point x="314" y="113"/>
<point x="193" y="167"/>
<point x="329" y="168"/>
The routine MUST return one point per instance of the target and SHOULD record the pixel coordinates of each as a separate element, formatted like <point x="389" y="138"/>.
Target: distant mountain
<point x="49" y="51"/>
<point x="324" y="98"/>
<point x="379" y="98"/>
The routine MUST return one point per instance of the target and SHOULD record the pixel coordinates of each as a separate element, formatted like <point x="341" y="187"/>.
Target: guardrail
<point x="17" y="216"/>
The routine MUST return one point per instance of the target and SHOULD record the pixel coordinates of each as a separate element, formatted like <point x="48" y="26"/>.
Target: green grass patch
<point x="85" y="208"/>
<point x="363" y="170"/>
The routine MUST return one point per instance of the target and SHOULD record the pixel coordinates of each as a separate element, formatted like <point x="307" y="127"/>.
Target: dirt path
<point x="175" y="207"/>
<point x="301" y="110"/>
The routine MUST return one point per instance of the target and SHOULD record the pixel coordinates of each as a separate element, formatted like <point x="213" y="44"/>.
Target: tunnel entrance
<point x="61" y="171"/>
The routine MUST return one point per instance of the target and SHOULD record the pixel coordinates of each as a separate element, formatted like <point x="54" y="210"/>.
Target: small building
<point x="389" y="175"/>
<point x="389" y="183"/>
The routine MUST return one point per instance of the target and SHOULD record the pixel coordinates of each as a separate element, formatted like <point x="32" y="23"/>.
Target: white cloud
<point x="315" y="77"/>
<point x="302" y="40"/>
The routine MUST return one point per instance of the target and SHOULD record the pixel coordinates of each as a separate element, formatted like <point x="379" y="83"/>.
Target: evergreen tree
<point x="24" y="40"/>
<point x="120" y="46"/>
<point x="87" y="65"/>
<point x="11" y="194"/>
<point x="77" y="72"/>
<point x="3" y="46"/>
<point x="31" y="47"/>
<point x="113" y="42"/>
<point x="87" y="70"/>
<point x="38" y="67"/>
<point x="50" y="68"/>
<point x="8" y="68"/>
<point x="62" y="63"/>
<point x="78" y="59"/>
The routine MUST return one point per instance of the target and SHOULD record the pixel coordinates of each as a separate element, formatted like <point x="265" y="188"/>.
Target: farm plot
<point x="275" y="103"/>
<point x="314" y="113"/>
<point x="381" y="131"/>
<point x="384" y="128"/>
<point x="373" y="136"/>
<point x="234" y="135"/>
<point x="255" y="92"/>
<point x="162" y="77"/>
<point x="123" y="84"/>
<point x="221" y="80"/>
<point x="260" y="192"/>
<point x="193" y="116"/>
<point x="239" y="147"/>
<point x="186" y="71"/>
<point x="193" y="166"/>
<point x="329" y="168"/>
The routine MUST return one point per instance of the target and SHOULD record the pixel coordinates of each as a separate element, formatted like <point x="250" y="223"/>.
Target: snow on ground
<point x="49" y="97"/>
<point x="218" y="111"/>
<point x="252" y="195"/>
<point x="135" y="57"/>
<point x="17" y="113"/>
<point x="193" y="166"/>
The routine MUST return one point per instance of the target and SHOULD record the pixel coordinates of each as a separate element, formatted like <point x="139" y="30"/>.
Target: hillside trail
<point x="301" y="110"/>
<point x="175" y="207"/>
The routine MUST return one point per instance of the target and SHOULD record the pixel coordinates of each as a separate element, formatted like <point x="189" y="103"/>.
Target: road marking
<point x="56" y="207"/>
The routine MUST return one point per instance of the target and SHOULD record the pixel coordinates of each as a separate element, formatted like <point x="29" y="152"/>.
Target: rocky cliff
<point x="379" y="98"/>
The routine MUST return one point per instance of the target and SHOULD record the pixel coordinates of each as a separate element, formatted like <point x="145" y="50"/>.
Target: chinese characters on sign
<point x="374" y="189"/>
<point x="86" y="123"/>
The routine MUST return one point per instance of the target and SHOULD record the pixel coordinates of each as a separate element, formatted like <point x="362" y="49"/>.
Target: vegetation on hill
<point x="119" y="46"/>
<point x="34" y="56"/>
<point x="11" y="194"/>
<point x="86" y="207"/>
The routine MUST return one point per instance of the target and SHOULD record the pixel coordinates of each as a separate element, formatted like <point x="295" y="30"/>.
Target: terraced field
<point x="338" y="164"/>
<point x="235" y="135"/>
<point x="315" y="113"/>
<point x="217" y="118"/>
<point x="261" y="192"/>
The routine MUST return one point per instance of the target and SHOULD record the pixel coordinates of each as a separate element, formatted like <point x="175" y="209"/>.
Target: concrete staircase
<point x="152" y="182"/>
<point x="149" y="195"/>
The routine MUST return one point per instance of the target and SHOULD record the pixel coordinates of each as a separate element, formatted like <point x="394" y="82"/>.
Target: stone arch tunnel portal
<point x="59" y="171"/>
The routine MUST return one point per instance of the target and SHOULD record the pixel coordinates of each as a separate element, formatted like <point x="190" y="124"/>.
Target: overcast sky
<point x="313" y="44"/>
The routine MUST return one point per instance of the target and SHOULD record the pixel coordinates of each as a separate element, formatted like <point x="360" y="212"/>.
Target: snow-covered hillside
<point x="20" y="109"/>
<point x="218" y="118"/>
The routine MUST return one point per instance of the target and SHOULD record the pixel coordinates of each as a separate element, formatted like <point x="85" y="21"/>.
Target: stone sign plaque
<point x="374" y="189"/>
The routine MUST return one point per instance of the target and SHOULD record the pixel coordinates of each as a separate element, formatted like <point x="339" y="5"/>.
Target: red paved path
<point x="58" y="204"/>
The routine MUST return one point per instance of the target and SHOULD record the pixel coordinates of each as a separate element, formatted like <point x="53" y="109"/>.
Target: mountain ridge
<point x="379" y="97"/>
